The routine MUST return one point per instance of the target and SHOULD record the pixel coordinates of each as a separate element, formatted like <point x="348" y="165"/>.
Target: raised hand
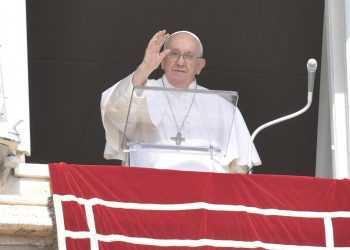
<point x="152" y="59"/>
<point x="153" y="56"/>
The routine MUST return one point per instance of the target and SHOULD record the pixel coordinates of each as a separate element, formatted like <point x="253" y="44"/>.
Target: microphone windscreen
<point x="311" y="65"/>
<point x="311" y="68"/>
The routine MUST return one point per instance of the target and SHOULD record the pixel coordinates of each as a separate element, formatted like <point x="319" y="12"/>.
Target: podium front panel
<point x="179" y="121"/>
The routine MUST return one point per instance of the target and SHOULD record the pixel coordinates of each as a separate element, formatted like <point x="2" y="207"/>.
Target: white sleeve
<point x="115" y="103"/>
<point x="239" y="143"/>
<point x="114" y="108"/>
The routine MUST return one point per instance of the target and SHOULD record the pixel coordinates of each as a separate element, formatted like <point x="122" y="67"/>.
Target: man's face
<point x="183" y="62"/>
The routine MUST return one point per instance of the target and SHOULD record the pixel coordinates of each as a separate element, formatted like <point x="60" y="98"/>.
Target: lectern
<point x="186" y="129"/>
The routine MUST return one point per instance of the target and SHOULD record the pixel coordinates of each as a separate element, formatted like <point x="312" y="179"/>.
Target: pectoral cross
<point x="178" y="139"/>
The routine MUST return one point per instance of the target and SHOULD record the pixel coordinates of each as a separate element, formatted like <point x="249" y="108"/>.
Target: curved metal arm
<point x="268" y="124"/>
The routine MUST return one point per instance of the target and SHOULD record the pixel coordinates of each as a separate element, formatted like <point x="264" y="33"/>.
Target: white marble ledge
<point x="25" y="220"/>
<point x="26" y="186"/>
<point x="25" y="226"/>
<point x="32" y="170"/>
<point x="28" y="200"/>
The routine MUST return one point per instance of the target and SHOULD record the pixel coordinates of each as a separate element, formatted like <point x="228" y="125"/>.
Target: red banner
<point x="110" y="207"/>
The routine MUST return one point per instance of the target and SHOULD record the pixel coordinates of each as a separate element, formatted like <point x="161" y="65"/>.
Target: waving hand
<point x="152" y="59"/>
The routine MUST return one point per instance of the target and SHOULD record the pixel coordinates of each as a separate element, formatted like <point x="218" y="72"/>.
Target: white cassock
<point x="156" y="124"/>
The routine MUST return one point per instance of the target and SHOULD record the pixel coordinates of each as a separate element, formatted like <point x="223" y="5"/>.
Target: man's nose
<point x="180" y="60"/>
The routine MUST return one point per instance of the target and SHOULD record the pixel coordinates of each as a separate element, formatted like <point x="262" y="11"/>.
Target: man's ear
<point x="200" y="65"/>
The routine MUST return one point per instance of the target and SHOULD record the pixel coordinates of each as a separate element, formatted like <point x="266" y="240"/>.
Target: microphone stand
<point x="311" y="68"/>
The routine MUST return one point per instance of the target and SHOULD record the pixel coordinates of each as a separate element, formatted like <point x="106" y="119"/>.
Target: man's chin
<point x="179" y="79"/>
<point x="180" y="74"/>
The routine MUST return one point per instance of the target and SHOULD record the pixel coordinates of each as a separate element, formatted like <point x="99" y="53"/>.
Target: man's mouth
<point x="180" y="70"/>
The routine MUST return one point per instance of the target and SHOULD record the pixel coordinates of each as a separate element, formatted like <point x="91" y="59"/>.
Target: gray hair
<point x="189" y="33"/>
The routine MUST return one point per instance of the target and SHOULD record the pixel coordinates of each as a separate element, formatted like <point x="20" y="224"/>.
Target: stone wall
<point x="26" y="220"/>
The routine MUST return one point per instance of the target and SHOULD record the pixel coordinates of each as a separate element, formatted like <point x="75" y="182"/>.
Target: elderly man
<point x="181" y="60"/>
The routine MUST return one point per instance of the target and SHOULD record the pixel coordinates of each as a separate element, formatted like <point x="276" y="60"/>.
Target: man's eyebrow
<point x="187" y="52"/>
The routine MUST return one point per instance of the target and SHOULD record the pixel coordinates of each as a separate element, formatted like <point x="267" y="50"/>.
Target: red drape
<point x="111" y="207"/>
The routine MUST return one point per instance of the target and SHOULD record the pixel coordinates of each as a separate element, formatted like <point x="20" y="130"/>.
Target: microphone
<point x="311" y="69"/>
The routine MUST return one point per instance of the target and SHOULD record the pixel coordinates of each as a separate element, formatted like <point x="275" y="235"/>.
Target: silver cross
<point x="178" y="139"/>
